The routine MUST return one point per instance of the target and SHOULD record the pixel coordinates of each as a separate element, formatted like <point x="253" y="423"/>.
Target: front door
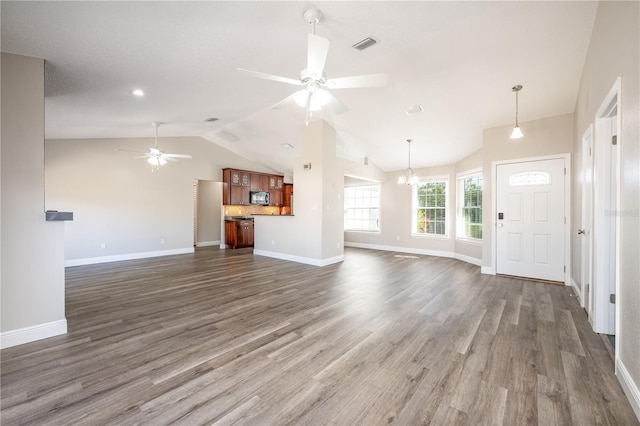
<point x="531" y="219"/>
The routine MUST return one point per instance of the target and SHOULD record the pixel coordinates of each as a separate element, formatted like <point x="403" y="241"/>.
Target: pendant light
<point x="516" y="133"/>
<point x="410" y="178"/>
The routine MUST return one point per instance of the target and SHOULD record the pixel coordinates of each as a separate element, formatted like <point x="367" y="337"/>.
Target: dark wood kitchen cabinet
<point x="238" y="233"/>
<point x="237" y="187"/>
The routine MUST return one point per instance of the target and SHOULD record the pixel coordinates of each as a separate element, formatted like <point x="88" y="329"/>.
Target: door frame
<point x="567" y="208"/>
<point x="586" y="222"/>
<point x="600" y="316"/>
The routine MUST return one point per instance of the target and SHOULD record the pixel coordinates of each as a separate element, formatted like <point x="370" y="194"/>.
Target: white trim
<point x="299" y="259"/>
<point x="208" y="243"/>
<point x="33" y="333"/>
<point x="128" y="256"/>
<point x="472" y="241"/>
<point x="567" y="208"/>
<point x="576" y="289"/>
<point x="468" y="259"/>
<point x="459" y="206"/>
<point x="628" y="386"/>
<point x="488" y="270"/>
<point x="410" y="250"/>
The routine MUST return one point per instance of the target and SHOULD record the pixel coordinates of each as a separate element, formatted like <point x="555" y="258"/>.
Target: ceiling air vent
<point x="229" y="137"/>
<point x="210" y="120"/>
<point x="363" y="44"/>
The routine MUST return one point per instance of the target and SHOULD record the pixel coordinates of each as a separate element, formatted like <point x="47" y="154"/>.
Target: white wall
<point x="32" y="250"/>
<point x="614" y="51"/>
<point x="121" y="202"/>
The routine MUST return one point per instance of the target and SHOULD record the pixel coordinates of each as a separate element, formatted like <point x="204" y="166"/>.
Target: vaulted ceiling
<point x="458" y="60"/>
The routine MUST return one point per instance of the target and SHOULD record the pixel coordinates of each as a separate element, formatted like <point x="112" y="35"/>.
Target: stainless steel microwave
<point x="259" y="197"/>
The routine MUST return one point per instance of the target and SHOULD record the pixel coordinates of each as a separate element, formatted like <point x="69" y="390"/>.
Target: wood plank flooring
<point x="226" y="337"/>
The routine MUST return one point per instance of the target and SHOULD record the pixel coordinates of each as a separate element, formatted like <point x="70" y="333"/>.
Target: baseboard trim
<point x="299" y="259"/>
<point x="409" y="250"/>
<point x="468" y="259"/>
<point x="628" y="386"/>
<point x="208" y="243"/>
<point x="128" y="256"/>
<point x="33" y="333"/>
<point x="576" y="290"/>
<point x="488" y="270"/>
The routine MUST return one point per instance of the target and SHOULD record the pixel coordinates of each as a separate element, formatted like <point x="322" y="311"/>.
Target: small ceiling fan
<point x="155" y="156"/>
<point x="314" y="94"/>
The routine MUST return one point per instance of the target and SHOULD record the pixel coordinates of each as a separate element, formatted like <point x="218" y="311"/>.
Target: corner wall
<point x="32" y="250"/>
<point x="615" y="51"/>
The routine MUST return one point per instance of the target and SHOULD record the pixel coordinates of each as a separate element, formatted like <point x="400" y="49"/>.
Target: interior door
<point x="586" y="227"/>
<point x="531" y="219"/>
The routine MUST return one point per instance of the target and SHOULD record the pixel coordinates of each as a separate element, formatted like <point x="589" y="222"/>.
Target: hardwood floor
<point x="222" y="337"/>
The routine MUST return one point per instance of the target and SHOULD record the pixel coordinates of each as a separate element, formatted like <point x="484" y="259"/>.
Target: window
<point x="470" y="206"/>
<point x="362" y="208"/>
<point x="430" y="208"/>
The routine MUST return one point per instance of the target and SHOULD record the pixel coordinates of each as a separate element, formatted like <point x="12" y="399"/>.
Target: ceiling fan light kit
<point x="155" y="156"/>
<point x="516" y="133"/>
<point x="314" y="94"/>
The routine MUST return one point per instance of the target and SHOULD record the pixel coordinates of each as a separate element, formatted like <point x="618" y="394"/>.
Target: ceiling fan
<point x="155" y="156"/>
<point x="314" y="93"/>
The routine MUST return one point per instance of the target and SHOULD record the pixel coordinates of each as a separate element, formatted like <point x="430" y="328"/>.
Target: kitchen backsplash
<point x="248" y="210"/>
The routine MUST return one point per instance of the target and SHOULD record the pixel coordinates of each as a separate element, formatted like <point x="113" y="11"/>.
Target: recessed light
<point x="138" y="92"/>
<point x="286" y="146"/>
<point x="363" y="44"/>
<point x="414" y="109"/>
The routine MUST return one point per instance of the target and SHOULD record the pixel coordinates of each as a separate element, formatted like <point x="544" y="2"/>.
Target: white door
<point x="586" y="226"/>
<point x="531" y="219"/>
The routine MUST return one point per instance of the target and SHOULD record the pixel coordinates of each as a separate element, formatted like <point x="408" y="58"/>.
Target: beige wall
<point x="32" y="250"/>
<point x="315" y="234"/>
<point x="209" y="213"/>
<point x="121" y="202"/>
<point x="613" y="52"/>
<point x="395" y="218"/>
<point x="543" y="137"/>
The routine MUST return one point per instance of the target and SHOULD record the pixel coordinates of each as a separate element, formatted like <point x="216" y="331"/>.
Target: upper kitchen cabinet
<point x="237" y="187"/>
<point x="260" y="182"/>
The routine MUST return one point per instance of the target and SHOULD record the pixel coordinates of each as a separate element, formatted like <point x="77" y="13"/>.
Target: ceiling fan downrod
<point x="312" y="16"/>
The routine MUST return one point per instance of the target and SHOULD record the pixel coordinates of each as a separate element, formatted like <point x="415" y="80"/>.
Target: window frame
<point x="379" y="207"/>
<point x="460" y="225"/>
<point x="414" y="207"/>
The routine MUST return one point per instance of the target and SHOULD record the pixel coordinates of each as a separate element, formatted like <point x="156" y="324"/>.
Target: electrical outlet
<point x="162" y="241"/>
<point x="398" y="237"/>
<point x="103" y="245"/>
<point x="273" y="242"/>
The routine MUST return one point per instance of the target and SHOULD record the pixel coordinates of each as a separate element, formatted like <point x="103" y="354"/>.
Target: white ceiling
<point x="458" y="60"/>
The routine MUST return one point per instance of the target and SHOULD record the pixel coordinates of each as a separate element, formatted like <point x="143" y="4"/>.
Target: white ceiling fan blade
<point x="317" y="55"/>
<point x="272" y="77"/>
<point x="129" y="150"/>
<point x="368" y="80"/>
<point x="285" y="102"/>
<point x="147" y="155"/>
<point x="177" y="155"/>
<point x="336" y="105"/>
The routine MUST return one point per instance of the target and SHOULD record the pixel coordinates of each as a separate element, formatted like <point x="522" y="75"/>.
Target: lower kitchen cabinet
<point x="238" y="233"/>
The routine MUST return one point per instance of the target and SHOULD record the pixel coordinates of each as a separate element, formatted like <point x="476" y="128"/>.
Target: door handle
<point x="500" y="225"/>
<point x="581" y="231"/>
